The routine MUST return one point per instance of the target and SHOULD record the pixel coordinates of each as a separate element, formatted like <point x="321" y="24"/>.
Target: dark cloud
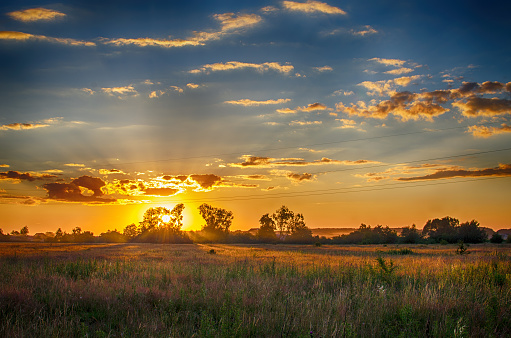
<point x="14" y="175"/>
<point x="502" y="170"/>
<point x="476" y="106"/>
<point x="206" y="181"/>
<point x="269" y="162"/>
<point x="92" y="183"/>
<point x="300" y="177"/>
<point x="161" y="191"/>
<point x="71" y="192"/>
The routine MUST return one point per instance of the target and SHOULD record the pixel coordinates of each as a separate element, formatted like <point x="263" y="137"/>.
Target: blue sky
<point x="109" y="108"/>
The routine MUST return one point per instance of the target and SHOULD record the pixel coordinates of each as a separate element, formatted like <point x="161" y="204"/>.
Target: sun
<point x="165" y="218"/>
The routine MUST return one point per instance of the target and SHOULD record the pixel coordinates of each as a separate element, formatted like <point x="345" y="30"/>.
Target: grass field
<point x="111" y="290"/>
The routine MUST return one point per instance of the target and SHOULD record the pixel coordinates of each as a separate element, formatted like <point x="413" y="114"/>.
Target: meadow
<point x="220" y="290"/>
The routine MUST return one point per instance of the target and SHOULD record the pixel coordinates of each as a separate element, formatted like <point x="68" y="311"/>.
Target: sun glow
<point x="165" y="218"/>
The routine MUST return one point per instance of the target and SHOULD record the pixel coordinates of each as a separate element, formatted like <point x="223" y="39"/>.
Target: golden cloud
<point x="235" y="65"/>
<point x="36" y="14"/>
<point x="501" y="170"/>
<point x="481" y="106"/>
<point x="389" y="62"/>
<point x="364" y="31"/>
<point x="312" y="7"/>
<point x="485" y="132"/>
<point x="252" y="103"/>
<point x="20" y="36"/>
<point x="301" y="177"/>
<point x="266" y="162"/>
<point x="120" y="92"/>
<point x="399" y="71"/>
<point x="230" y="24"/>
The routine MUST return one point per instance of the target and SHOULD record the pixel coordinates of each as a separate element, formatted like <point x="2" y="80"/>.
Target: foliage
<point x="410" y="235"/>
<point x="470" y="232"/>
<point x="367" y="235"/>
<point x="462" y="249"/>
<point x="267" y="230"/>
<point x="442" y="229"/>
<point x="218" y="221"/>
<point x="496" y="238"/>
<point x="24" y="231"/>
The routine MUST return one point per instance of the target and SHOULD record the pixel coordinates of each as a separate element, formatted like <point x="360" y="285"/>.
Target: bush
<point x="496" y="238"/>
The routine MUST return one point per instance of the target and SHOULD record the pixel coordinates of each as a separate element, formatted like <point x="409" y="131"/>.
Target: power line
<point x="331" y="191"/>
<point x="119" y="164"/>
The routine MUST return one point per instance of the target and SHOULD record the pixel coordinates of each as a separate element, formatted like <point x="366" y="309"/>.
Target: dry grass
<point x="253" y="290"/>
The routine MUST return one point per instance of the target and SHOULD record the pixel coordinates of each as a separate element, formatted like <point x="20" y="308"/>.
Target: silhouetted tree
<point x="153" y="218"/>
<point x="130" y="231"/>
<point x="24" y="231"/>
<point x="442" y="229"/>
<point x="470" y="232"/>
<point x="176" y="218"/>
<point x="283" y="217"/>
<point x="496" y="238"/>
<point x="410" y="234"/>
<point x="267" y="230"/>
<point x="58" y="235"/>
<point x="112" y="237"/>
<point x="216" y="218"/>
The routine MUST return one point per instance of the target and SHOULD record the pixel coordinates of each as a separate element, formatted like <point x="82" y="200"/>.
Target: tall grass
<point x="244" y="291"/>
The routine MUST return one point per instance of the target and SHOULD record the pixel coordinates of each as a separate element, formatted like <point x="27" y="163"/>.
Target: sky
<point x="349" y="112"/>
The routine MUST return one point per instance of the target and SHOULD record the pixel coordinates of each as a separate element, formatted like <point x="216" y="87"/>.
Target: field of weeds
<point x="150" y="290"/>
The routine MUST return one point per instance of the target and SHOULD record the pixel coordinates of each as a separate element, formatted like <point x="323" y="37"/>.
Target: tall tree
<point x="153" y="218"/>
<point x="24" y="230"/>
<point x="176" y="218"/>
<point x="442" y="229"/>
<point x="217" y="219"/>
<point x="283" y="218"/>
<point x="267" y="230"/>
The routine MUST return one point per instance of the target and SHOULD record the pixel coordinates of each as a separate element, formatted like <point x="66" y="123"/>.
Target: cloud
<point x="323" y="69"/>
<point x="301" y="177"/>
<point x="230" y="24"/>
<point x="387" y="87"/>
<point x="366" y="30"/>
<point x="4" y="166"/>
<point x="161" y="191"/>
<point x="121" y="92"/>
<point x="23" y="126"/>
<point x="286" y="111"/>
<point x="312" y="7"/>
<point x="312" y="107"/>
<point x="481" y="106"/>
<point x="84" y="189"/>
<point x="235" y="65"/>
<point x="110" y="171"/>
<point x="501" y="170"/>
<point x="192" y="85"/>
<point x="252" y="103"/>
<point x="18" y="176"/>
<point x="427" y="105"/>
<point x="305" y="123"/>
<point x="20" y="36"/>
<point x="74" y="165"/>
<point x="485" y="132"/>
<point x="23" y="200"/>
<point x="403" y="104"/>
<point x="389" y="62"/>
<point x="36" y="14"/>
<point x="266" y="162"/>
<point x="399" y="71"/>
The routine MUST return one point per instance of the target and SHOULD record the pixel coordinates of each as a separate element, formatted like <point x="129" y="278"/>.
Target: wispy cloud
<point x="250" y="161"/>
<point x="386" y="87"/>
<point x="36" y="14"/>
<point x="20" y="36"/>
<point x="312" y="7"/>
<point x="31" y="125"/>
<point x="366" y="30"/>
<point x="253" y="103"/>
<point x="235" y="65"/>
<point x="501" y="170"/>
<point x="230" y="24"/>
<point x="120" y="92"/>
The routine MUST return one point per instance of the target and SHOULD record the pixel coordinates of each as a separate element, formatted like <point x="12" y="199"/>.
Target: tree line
<point x="161" y="225"/>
